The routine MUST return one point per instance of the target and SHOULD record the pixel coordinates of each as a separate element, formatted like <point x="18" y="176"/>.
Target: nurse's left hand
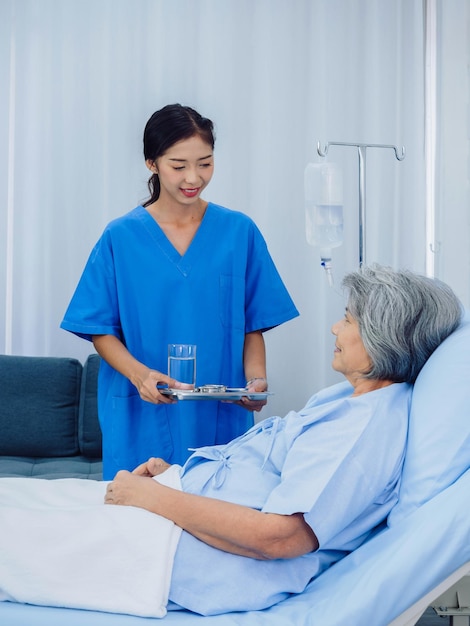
<point x="131" y="490"/>
<point x="252" y="405"/>
<point x="256" y="385"/>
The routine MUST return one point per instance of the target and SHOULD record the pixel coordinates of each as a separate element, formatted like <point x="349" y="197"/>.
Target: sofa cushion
<point x="89" y="431"/>
<point x="51" y="468"/>
<point x="39" y="405"/>
<point x="438" y="449"/>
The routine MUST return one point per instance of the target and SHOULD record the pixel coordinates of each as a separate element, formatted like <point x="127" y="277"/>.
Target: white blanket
<point x="61" y="546"/>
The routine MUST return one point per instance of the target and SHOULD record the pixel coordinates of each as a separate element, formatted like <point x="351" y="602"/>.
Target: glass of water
<point x="182" y="362"/>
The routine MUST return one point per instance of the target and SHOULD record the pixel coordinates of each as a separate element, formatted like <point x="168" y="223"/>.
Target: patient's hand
<point x="131" y="490"/>
<point x="152" y="467"/>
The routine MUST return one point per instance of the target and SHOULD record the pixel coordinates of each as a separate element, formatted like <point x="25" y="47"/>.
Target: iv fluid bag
<point x="324" y="225"/>
<point x="323" y="205"/>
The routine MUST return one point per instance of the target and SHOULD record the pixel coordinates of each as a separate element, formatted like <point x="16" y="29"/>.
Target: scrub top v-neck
<point x="138" y="287"/>
<point x="196" y="247"/>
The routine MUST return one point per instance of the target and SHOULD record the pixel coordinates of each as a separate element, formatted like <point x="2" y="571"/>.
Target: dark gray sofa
<point x="48" y="417"/>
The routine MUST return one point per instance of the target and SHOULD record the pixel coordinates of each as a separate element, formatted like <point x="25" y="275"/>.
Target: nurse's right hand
<point x="148" y="391"/>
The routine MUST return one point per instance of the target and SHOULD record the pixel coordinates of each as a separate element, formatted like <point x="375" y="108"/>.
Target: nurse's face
<point x="350" y="356"/>
<point x="184" y="170"/>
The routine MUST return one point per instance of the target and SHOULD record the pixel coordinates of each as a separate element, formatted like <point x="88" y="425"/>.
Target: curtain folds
<point x="80" y="79"/>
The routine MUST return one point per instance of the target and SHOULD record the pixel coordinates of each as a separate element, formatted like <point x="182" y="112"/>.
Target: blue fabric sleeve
<point x="93" y="309"/>
<point x="268" y="302"/>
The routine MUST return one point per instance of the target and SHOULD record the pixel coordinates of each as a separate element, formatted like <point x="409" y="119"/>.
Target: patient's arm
<point x="223" y="525"/>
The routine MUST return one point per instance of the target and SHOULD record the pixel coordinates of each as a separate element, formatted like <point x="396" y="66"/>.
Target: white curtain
<point x="80" y="79"/>
<point x="452" y="241"/>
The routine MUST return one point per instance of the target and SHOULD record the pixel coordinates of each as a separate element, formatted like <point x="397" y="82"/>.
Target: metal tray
<point x="214" y="392"/>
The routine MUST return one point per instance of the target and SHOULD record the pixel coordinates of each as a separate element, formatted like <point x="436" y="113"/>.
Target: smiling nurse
<point x="177" y="269"/>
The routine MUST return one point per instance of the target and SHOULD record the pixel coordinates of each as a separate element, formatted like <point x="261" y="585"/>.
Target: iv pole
<point x="361" y="148"/>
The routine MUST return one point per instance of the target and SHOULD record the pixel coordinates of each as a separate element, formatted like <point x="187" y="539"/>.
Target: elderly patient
<point x="269" y="511"/>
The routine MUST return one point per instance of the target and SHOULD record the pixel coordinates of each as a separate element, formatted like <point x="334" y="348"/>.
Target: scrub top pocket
<point x="232" y="301"/>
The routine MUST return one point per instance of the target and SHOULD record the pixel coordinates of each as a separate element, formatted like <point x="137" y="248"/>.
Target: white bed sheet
<point x="373" y="585"/>
<point x="428" y="540"/>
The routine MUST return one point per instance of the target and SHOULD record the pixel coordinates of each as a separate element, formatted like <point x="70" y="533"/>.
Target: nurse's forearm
<point x="114" y="352"/>
<point x="145" y="380"/>
<point x="254" y="356"/>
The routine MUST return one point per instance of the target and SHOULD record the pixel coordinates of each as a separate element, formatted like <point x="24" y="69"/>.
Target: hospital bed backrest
<point x="438" y="448"/>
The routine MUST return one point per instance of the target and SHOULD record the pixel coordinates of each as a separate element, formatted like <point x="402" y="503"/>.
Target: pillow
<point x="438" y="449"/>
<point x="89" y="431"/>
<point x="39" y="405"/>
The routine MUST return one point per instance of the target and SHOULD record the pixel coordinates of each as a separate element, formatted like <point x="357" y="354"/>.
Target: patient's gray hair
<point x="402" y="318"/>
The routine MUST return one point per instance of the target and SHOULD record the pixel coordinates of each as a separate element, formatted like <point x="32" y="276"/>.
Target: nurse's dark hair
<point x="402" y="318"/>
<point x="166" y="127"/>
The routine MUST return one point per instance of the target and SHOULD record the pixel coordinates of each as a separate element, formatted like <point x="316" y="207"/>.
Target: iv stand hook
<point x="361" y="148"/>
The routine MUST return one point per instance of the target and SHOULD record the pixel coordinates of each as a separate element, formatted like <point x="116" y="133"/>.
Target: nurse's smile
<point x="190" y="193"/>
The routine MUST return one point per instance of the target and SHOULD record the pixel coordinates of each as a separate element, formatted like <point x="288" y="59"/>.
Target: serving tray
<point x="214" y="392"/>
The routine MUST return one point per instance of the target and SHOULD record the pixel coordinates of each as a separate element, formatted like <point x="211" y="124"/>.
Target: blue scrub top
<point x="137" y="287"/>
<point x="338" y="461"/>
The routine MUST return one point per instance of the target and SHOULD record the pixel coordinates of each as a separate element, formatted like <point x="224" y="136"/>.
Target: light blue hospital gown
<point x="338" y="461"/>
<point x="137" y="287"/>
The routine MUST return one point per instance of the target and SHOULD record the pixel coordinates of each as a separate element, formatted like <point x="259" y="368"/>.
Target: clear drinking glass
<point x="182" y="362"/>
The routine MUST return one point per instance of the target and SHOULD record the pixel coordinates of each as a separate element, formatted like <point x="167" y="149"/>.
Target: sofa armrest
<point x="89" y="431"/>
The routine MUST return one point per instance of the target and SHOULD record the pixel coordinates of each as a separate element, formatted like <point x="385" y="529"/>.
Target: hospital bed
<point x="391" y="579"/>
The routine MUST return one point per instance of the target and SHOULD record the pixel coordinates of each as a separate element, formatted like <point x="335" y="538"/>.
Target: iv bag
<point x="323" y="187"/>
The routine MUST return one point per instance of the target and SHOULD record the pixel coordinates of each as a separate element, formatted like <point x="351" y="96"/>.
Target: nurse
<point x="177" y="269"/>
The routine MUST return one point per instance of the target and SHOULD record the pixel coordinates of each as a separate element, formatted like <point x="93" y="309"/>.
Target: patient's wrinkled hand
<point x="130" y="490"/>
<point x="152" y="467"/>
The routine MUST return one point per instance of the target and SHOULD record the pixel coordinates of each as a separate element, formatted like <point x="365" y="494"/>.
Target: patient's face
<point x="350" y="356"/>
